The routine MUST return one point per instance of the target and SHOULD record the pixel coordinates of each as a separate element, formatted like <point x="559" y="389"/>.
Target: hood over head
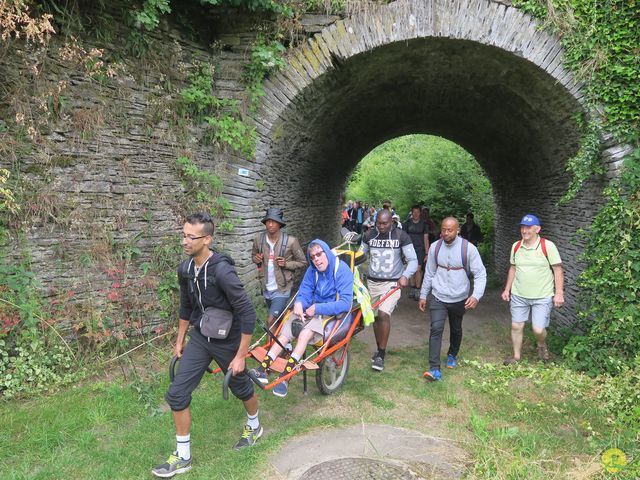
<point x="327" y="250"/>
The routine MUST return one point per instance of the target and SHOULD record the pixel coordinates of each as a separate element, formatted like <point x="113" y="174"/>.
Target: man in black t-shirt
<point x="386" y="246"/>
<point x="418" y="231"/>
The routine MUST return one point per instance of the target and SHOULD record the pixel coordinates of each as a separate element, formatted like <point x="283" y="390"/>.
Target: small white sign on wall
<point x="243" y="172"/>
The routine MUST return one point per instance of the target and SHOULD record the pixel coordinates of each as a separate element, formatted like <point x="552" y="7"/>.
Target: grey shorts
<point x="540" y="309"/>
<point x="314" y="324"/>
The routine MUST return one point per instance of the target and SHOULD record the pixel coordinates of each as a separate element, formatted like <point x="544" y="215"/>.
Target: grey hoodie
<point x="452" y="286"/>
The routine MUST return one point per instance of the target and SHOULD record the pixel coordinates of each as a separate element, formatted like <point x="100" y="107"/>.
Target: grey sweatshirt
<point x="451" y="286"/>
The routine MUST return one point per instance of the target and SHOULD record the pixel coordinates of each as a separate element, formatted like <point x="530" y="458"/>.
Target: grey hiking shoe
<point x="248" y="437"/>
<point x="377" y="363"/>
<point x="173" y="466"/>
<point x="543" y="353"/>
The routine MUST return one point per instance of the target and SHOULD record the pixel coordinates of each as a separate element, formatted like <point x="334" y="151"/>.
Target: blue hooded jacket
<point x="329" y="283"/>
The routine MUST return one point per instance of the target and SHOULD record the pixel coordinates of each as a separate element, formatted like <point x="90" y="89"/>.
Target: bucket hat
<point x="274" y="213"/>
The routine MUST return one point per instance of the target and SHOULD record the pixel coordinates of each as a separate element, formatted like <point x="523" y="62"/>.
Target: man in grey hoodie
<point x="446" y="286"/>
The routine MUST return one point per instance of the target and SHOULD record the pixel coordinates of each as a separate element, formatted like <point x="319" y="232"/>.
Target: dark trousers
<point x="196" y="357"/>
<point x="439" y="312"/>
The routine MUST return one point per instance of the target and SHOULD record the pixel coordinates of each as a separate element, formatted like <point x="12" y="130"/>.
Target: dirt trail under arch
<point x="410" y="326"/>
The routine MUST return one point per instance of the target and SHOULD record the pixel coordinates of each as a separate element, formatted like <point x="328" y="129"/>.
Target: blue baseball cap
<point x="530" y="220"/>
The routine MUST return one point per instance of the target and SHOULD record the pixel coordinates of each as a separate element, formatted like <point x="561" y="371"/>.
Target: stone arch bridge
<point x="478" y="72"/>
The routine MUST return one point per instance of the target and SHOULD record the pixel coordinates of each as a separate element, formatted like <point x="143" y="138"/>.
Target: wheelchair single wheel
<point x="330" y="375"/>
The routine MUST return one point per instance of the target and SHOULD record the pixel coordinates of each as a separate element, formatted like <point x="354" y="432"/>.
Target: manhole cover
<point x="357" y="469"/>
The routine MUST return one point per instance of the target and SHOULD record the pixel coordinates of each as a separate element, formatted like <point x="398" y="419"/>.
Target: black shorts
<point x="196" y="357"/>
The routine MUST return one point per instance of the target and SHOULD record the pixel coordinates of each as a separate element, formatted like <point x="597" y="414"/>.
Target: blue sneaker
<point x="433" y="375"/>
<point x="281" y="389"/>
<point x="451" y="361"/>
<point x="261" y="375"/>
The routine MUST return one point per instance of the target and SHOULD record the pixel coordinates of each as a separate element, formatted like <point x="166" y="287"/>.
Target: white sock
<point x="272" y="356"/>
<point x="253" y="421"/>
<point x="183" y="446"/>
<point x="295" y="356"/>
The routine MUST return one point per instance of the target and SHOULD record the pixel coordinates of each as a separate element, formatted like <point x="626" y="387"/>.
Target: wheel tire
<point x="330" y="378"/>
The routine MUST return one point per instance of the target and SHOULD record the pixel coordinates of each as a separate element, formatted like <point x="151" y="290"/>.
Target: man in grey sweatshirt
<point x="451" y="261"/>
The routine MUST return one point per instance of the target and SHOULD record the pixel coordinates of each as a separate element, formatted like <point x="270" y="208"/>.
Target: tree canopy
<point x="424" y="169"/>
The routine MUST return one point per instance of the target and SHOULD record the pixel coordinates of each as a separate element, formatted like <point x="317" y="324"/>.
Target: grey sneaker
<point x="248" y="437"/>
<point x="173" y="466"/>
<point x="378" y="363"/>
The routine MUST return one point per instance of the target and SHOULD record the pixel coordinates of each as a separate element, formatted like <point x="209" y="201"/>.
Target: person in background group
<point x="366" y="212"/>
<point x="535" y="284"/>
<point x="386" y="247"/>
<point x="419" y="233"/>
<point x="386" y="205"/>
<point x="471" y="231"/>
<point x="396" y="221"/>
<point x="208" y="280"/>
<point x="434" y="233"/>
<point x="358" y="216"/>
<point x="344" y="217"/>
<point x="450" y="262"/>
<point x="278" y="255"/>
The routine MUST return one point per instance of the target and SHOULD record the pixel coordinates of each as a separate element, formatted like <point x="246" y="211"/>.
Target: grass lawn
<point x="528" y="422"/>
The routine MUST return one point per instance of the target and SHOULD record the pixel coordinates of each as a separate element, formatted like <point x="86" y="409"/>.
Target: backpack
<point x="543" y="247"/>
<point x="283" y="245"/>
<point x="464" y="252"/>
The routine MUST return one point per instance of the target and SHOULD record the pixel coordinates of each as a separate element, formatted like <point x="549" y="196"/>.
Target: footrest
<point x="310" y="365"/>
<point x="259" y="353"/>
<point x="278" y="365"/>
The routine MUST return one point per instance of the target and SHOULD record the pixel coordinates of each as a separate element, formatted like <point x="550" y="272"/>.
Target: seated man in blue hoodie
<point x="326" y="290"/>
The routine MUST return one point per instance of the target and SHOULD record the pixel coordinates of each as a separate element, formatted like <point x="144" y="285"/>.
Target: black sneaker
<point x="173" y="466"/>
<point x="248" y="437"/>
<point x="378" y="363"/>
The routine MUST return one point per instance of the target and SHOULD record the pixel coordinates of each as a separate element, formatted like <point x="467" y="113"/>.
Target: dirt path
<point x="385" y="451"/>
<point x="410" y="326"/>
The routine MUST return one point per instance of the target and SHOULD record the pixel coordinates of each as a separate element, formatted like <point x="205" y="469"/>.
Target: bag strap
<point x="283" y="245"/>
<point x="464" y="251"/>
<point x="263" y="237"/>
<point x="437" y="250"/>
<point x="516" y="248"/>
<point x="543" y="247"/>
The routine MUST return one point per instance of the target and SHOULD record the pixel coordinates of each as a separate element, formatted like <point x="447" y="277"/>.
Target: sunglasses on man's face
<point x="316" y="256"/>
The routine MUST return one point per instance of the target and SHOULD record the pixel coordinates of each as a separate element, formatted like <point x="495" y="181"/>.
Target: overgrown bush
<point x="601" y="41"/>
<point x="610" y="283"/>
<point x="32" y="357"/>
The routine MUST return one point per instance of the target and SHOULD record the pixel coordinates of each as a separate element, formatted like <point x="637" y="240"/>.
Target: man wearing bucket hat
<point x="535" y="284"/>
<point x="277" y="255"/>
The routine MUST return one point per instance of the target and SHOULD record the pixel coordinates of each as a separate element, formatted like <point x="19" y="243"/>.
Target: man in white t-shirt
<point x="277" y="255"/>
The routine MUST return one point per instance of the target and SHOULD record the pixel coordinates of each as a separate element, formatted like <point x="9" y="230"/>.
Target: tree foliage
<point x="428" y="170"/>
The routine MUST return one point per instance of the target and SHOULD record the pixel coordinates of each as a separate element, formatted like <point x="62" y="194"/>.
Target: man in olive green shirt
<point x="535" y="284"/>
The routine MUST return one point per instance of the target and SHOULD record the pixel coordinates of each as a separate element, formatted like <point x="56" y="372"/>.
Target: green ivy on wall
<point x="602" y="47"/>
